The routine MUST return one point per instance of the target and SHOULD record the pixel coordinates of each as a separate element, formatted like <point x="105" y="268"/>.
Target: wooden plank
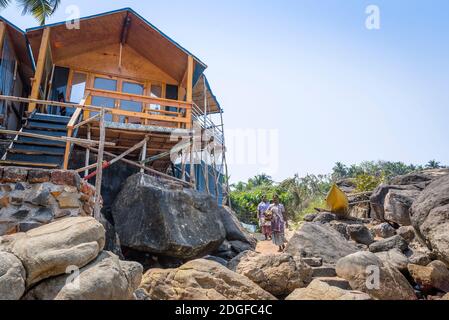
<point x="2" y="36"/>
<point x="141" y="98"/>
<point x="67" y="149"/>
<point x="86" y="161"/>
<point x="28" y="164"/>
<point x="190" y="79"/>
<point x="40" y="66"/>
<point x="82" y="123"/>
<point x="62" y="139"/>
<point x="99" y="177"/>
<point x="135" y="164"/>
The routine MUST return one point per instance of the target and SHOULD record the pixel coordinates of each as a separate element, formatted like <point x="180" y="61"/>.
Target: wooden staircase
<point x="35" y="152"/>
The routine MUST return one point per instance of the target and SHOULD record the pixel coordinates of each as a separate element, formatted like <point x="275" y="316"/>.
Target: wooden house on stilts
<point x="111" y="89"/>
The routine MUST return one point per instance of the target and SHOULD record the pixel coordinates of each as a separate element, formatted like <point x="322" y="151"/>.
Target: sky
<point x="304" y="83"/>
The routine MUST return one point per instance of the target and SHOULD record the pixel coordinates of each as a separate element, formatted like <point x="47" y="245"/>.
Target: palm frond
<point x="4" y="3"/>
<point x="40" y="9"/>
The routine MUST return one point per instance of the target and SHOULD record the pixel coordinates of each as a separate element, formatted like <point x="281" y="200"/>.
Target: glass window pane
<point x="156" y="92"/>
<point x="132" y="88"/>
<point x="103" y="102"/>
<point x="105" y="84"/>
<point x="78" y="87"/>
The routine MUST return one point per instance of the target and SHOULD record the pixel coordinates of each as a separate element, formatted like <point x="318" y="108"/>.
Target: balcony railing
<point x="182" y="118"/>
<point x="208" y="125"/>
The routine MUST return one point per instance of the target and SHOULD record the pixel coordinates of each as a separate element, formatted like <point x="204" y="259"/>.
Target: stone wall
<point x="30" y="198"/>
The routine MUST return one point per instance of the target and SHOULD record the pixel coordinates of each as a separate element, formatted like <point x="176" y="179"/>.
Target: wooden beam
<point x="99" y="177"/>
<point x="86" y="162"/>
<point x="2" y="36"/>
<point x="135" y="164"/>
<point x="52" y="138"/>
<point x="190" y="79"/>
<point x="45" y="42"/>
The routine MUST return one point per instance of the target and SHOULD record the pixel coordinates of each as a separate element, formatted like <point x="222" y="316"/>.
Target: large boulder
<point x="433" y="276"/>
<point x="234" y="229"/>
<point x="396" y="258"/>
<point x="361" y="270"/>
<point x="105" y="278"/>
<point x="12" y="277"/>
<point x="392" y="202"/>
<point x="279" y="274"/>
<point x="320" y="290"/>
<point x="420" y="178"/>
<point x="320" y="240"/>
<point x="360" y="234"/>
<point x="201" y="280"/>
<point x="430" y="217"/>
<point x="49" y="250"/>
<point x="163" y="219"/>
<point x="384" y="230"/>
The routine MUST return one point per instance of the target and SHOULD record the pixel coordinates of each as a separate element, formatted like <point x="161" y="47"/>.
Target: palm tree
<point x="40" y="9"/>
<point x="433" y="164"/>
<point x="260" y="180"/>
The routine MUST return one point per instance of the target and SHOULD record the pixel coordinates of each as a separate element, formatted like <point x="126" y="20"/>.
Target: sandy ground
<point x="268" y="247"/>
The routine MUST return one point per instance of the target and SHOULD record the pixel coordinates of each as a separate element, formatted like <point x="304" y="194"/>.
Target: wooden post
<point x="39" y="68"/>
<point x="2" y="36"/>
<point x="99" y="177"/>
<point x="214" y="168"/>
<point x="189" y="94"/>
<point x="144" y="154"/>
<point x="68" y="146"/>
<point x="86" y="162"/>
<point x="192" y="164"/>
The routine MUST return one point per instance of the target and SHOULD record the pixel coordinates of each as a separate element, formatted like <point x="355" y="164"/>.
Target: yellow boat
<point x="337" y="201"/>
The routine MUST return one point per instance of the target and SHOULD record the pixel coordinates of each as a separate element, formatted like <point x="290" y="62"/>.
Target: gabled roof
<point x="202" y="86"/>
<point x="20" y="45"/>
<point x="106" y="28"/>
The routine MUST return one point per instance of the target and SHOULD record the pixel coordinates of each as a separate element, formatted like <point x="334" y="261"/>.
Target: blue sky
<point x="334" y="90"/>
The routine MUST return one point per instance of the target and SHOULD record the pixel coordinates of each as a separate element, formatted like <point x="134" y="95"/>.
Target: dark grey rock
<point x="221" y="261"/>
<point x="313" y="262"/>
<point x="325" y="217"/>
<point x="153" y="217"/>
<point x="360" y="234"/>
<point x="234" y="230"/>
<point x="384" y="230"/>
<point x="430" y="217"/>
<point x="43" y="215"/>
<point x="310" y="217"/>
<point x="396" y="242"/>
<point x="324" y="271"/>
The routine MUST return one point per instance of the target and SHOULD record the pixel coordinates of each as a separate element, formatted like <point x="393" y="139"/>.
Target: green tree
<point x="39" y="9"/>
<point x="433" y="164"/>
<point x="340" y="171"/>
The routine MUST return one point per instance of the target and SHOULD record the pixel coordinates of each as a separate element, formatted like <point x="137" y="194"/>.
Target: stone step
<point x="324" y="271"/>
<point x="313" y="262"/>
<point x="336" y="282"/>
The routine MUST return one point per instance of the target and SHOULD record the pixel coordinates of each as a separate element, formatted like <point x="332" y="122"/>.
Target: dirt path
<point x="267" y="246"/>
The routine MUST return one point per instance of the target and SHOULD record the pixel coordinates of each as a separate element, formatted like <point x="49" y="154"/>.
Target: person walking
<point x="278" y="223"/>
<point x="264" y="223"/>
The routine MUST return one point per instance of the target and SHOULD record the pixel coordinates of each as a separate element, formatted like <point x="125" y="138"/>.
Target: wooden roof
<point x="19" y="42"/>
<point x="112" y="27"/>
<point x="202" y="87"/>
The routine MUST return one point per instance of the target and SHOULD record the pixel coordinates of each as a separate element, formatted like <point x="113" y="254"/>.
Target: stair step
<point x="21" y="145"/>
<point x="35" y="152"/>
<point x="27" y="164"/>
<point x="39" y="142"/>
<point x="46" y="133"/>
<point x="324" y="271"/>
<point x="57" y="160"/>
<point x="46" y="125"/>
<point x="50" y="118"/>
<point x="336" y="282"/>
<point x="313" y="262"/>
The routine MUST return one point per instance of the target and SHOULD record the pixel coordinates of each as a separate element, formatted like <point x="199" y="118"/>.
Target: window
<point x="78" y="87"/>
<point x="104" y="84"/>
<point x="132" y="88"/>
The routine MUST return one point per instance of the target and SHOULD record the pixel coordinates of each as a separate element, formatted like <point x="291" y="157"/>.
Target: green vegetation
<point x="40" y="9"/>
<point x="301" y="195"/>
